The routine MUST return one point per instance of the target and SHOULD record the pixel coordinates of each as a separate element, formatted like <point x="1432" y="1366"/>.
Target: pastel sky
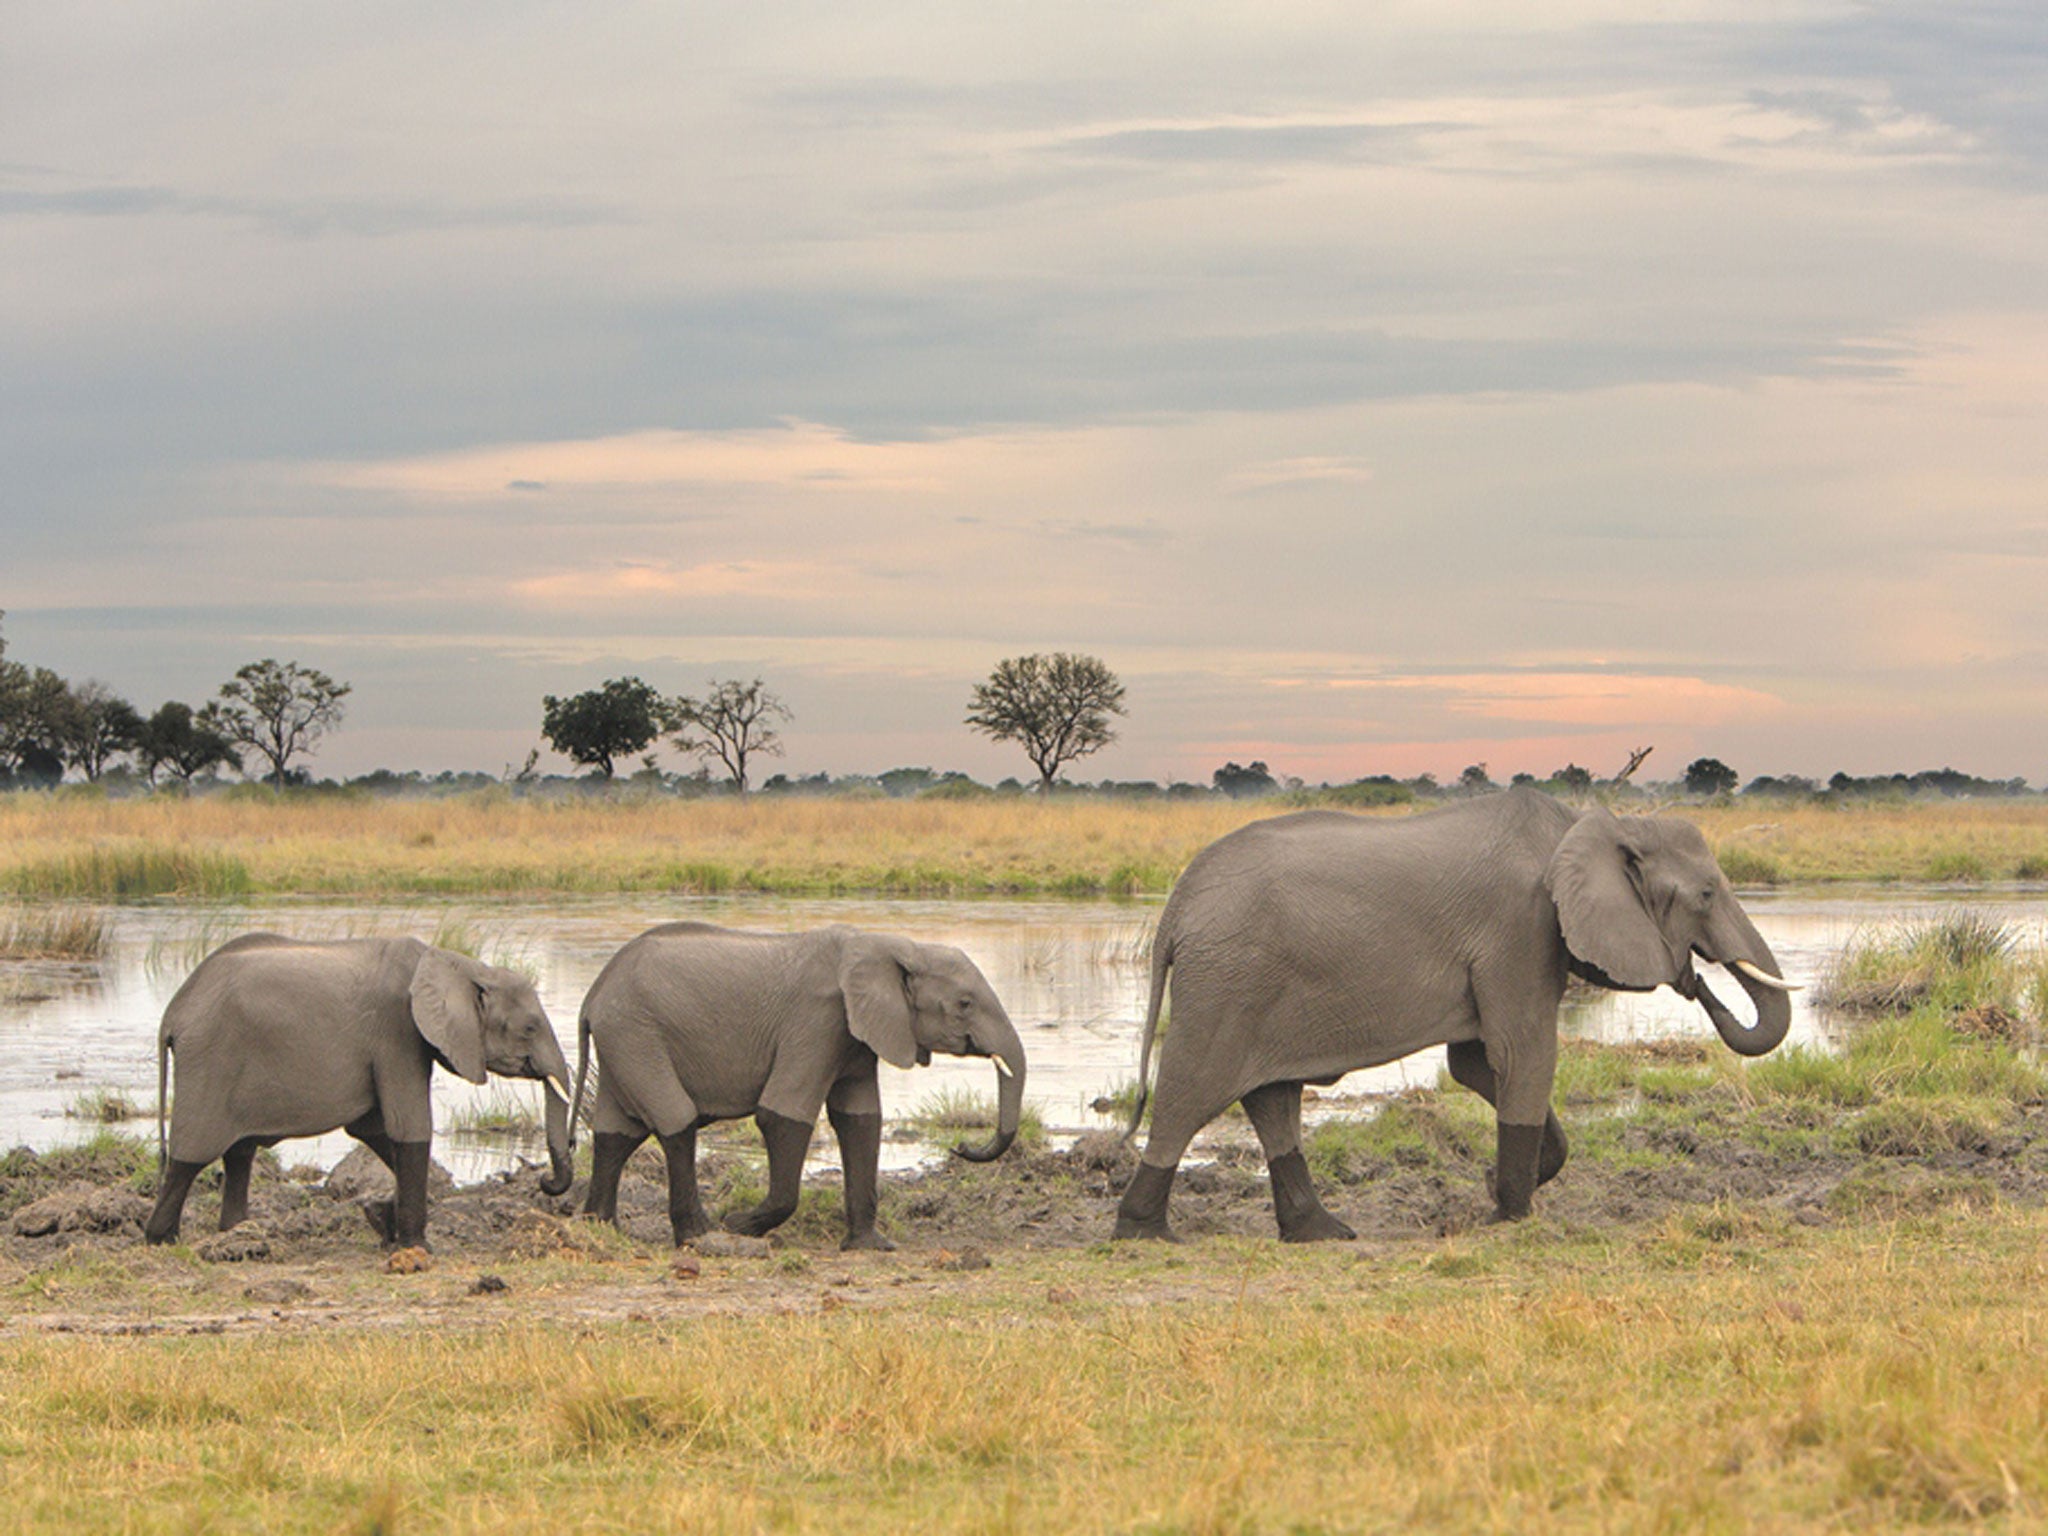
<point x="1376" y="388"/>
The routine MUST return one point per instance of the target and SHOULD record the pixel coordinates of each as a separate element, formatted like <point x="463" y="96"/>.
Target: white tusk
<point x="559" y="1086"/>
<point x="1763" y="977"/>
<point x="1002" y="1066"/>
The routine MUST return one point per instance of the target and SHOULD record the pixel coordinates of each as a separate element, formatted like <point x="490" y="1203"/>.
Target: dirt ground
<point x="72" y="1257"/>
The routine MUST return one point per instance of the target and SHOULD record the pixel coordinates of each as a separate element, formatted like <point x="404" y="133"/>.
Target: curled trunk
<point x="1003" y="1047"/>
<point x="1773" y="1017"/>
<point x="561" y="1169"/>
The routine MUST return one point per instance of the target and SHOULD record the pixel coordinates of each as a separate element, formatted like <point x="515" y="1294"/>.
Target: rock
<point x="409" y="1261"/>
<point x="730" y="1245"/>
<point x="237" y="1245"/>
<point x="279" y="1292"/>
<point x="39" y="1218"/>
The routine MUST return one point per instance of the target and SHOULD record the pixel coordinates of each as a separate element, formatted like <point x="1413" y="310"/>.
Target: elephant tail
<point x="163" y="1082"/>
<point x="1162" y="961"/>
<point x="582" y="1072"/>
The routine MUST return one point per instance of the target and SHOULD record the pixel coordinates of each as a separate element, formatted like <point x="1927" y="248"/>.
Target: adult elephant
<point x="276" y="1037"/>
<point x="1309" y="946"/>
<point x="695" y="1023"/>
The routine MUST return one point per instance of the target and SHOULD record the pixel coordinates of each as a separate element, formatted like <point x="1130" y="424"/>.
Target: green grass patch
<point x="1750" y="866"/>
<point x="105" y="1106"/>
<point x="1423" y="1128"/>
<point x="132" y="872"/>
<point x="1961" y="960"/>
<point x="950" y="1111"/>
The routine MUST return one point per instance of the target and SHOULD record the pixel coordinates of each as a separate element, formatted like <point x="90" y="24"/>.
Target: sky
<point x="1375" y="388"/>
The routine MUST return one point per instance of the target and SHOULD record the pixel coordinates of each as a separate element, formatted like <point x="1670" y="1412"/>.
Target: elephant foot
<point x="696" y="1224"/>
<point x="869" y="1241"/>
<point x="157" y="1239"/>
<point x="1320" y="1227"/>
<point x="758" y="1222"/>
<point x="1142" y="1212"/>
<point x="1300" y="1214"/>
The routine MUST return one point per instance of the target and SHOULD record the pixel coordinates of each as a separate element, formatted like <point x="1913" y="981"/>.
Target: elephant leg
<point x="235" y="1165"/>
<point x="381" y="1214"/>
<point x="171" y="1190"/>
<point x="686" y="1218"/>
<point x="1142" y="1211"/>
<point x="787" y="1141"/>
<point x="1514" y="1170"/>
<point x="860" y="1163"/>
<point x="1275" y="1113"/>
<point x="409" y="1225"/>
<point x="1469" y="1066"/>
<point x="609" y="1152"/>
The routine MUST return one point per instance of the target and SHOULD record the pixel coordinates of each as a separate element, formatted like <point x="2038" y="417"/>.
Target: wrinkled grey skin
<point x="1309" y="946"/>
<point x="694" y="1023"/>
<point x="276" y="1037"/>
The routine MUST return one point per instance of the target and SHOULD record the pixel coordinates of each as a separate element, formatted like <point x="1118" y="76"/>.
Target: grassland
<point x="86" y="848"/>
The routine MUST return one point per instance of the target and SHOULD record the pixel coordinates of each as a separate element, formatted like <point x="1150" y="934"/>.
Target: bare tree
<point x="279" y="709"/>
<point x="1056" y="706"/>
<point x="732" y="723"/>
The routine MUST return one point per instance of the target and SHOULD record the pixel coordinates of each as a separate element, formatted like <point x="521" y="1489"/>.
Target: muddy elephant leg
<point x="860" y="1162"/>
<point x="409" y="1225"/>
<point x="1142" y="1211"/>
<point x="172" y="1188"/>
<point x="381" y="1214"/>
<point x="1469" y="1066"/>
<point x="235" y="1165"/>
<point x="609" y="1152"/>
<point x="686" y="1218"/>
<point x="1514" y="1169"/>
<point x="787" y="1141"/>
<point x="1275" y="1113"/>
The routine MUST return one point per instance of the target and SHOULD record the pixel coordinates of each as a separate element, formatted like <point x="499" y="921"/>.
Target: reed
<point x="61" y="932"/>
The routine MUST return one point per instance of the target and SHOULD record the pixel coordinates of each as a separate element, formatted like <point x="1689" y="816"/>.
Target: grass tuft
<point x="53" y="933"/>
<point x="1962" y="960"/>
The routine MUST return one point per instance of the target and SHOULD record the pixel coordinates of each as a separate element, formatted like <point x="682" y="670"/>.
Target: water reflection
<point x="1072" y="975"/>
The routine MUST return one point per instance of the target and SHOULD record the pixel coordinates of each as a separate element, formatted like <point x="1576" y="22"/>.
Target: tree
<point x="1709" y="776"/>
<point x="278" y="709"/>
<point x="1057" y="707"/>
<point x="1475" y="780"/>
<point x="1245" y="783"/>
<point x="99" y="725"/>
<point x="731" y="723"/>
<point x="35" y="714"/>
<point x="597" y="728"/>
<point x="182" y="741"/>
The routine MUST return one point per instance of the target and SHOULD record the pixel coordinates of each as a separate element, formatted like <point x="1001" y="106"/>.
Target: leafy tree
<point x="1573" y="779"/>
<point x="279" y="710"/>
<point x="184" y="742"/>
<point x="35" y="715"/>
<point x="1057" y="707"/>
<point x="1475" y="780"/>
<point x="1245" y="783"/>
<point x="99" y="725"/>
<point x="597" y="728"/>
<point x="732" y="723"/>
<point x="1709" y="776"/>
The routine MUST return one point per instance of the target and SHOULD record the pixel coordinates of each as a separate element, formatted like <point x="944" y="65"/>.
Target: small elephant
<point x="1308" y="946"/>
<point x="695" y="1023"/>
<point x="277" y="1037"/>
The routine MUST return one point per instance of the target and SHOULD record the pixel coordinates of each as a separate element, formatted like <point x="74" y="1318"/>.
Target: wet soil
<point x="72" y="1258"/>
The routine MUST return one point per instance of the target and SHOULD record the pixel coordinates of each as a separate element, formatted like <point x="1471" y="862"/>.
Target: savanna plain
<point x="1805" y="1292"/>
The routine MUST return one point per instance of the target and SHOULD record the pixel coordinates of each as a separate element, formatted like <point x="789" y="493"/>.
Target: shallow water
<point x="1072" y="975"/>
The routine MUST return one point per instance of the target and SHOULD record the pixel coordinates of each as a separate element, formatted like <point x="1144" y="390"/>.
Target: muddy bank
<point x="1427" y="1183"/>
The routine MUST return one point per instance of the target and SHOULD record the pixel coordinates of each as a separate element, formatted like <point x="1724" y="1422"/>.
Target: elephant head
<point x="1637" y="899"/>
<point x="906" y="1000"/>
<point x="481" y="1019"/>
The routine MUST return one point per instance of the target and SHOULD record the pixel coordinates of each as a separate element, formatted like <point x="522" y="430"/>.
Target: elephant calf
<point x="276" y="1037"/>
<point x="695" y="1023"/>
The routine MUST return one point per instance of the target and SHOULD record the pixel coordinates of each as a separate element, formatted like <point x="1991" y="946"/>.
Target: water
<point x="1072" y="975"/>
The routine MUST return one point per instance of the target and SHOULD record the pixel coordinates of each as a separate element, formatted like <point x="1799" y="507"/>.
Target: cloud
<point x="633" y="583"/>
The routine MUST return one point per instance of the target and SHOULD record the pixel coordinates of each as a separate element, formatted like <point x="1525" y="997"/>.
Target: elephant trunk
<point x="1735" y="943"/>
<point x="561" y="1168"/>
<point x="554" y="1074"/>
<point x="1000" y="1043"/>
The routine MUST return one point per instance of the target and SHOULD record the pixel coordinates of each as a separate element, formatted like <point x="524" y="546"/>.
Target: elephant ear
<point x="1595" y="877"/>
<point x="448" y="1011"/>
<point x="872" y="979"/>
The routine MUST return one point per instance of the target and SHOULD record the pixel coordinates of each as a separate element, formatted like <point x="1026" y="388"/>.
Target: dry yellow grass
<point x="1717" y="1373"/>
<point x="84" y="847"/>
